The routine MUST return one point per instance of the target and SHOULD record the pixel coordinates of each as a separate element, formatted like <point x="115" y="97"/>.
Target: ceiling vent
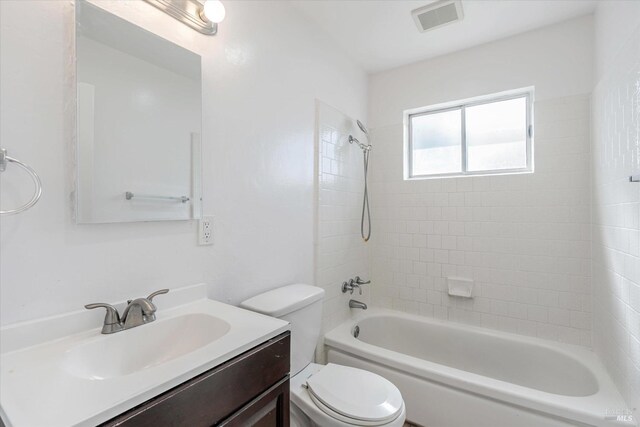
<point x="437" y="14"/>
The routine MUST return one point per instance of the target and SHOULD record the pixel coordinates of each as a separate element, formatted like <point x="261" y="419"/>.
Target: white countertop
<point x="37" y="388"/>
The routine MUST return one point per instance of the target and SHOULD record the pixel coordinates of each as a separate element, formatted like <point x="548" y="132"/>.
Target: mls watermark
<point x="622" y="415"/>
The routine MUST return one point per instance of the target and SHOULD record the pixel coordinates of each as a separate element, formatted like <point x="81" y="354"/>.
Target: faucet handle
<point x="156" y="293"/>
<point x="111" y="318"/>
<point x="346" y="287"/>
<point x="353" y="284"/>
<point x="359" y="281"/>
<point x="112" y="315"/>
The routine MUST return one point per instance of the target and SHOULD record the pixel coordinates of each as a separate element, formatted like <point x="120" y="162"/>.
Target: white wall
<point x="341" y="254"/>
<point x="524" y="239"/>
<point x="616" y="202"/>
<point x="616" y="22"/>
<point x="262" y="73"/>
<point x="556" y="59"/>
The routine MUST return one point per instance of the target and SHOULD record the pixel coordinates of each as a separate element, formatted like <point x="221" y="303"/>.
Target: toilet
<point x="326" y="395"/>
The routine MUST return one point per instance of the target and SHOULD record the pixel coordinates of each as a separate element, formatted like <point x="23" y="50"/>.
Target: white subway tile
<point x="616" y="218"/>
<point x="525" y="239"/>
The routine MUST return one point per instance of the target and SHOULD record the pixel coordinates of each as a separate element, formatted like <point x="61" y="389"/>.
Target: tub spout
<point x="357" y="304"/>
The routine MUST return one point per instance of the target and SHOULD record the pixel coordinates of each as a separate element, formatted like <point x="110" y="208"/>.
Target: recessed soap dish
<point x="460" y="287"/>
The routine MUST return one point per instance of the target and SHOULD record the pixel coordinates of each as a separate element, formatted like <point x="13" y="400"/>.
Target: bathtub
<point x="455" y="375"/>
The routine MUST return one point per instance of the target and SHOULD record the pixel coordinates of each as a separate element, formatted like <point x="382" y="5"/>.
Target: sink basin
<point x="143" y="347"/>
<point x="60" y="371"/>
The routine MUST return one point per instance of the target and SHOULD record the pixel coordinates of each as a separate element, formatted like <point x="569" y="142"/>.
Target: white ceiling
<point x="381" y="34"/>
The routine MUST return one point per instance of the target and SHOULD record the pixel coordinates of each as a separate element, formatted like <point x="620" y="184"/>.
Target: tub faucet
<point x="353" y="284"/>
<point x="357" y="304"/>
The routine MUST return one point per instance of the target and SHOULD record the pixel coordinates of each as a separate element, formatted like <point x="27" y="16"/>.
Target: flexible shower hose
<point x="365" y="201"/>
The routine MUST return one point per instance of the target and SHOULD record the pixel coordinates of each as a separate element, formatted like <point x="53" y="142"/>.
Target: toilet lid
<point x="356" y="393"/>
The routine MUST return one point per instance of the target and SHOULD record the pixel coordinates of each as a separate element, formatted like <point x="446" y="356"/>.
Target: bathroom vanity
<point x="200" y="363"/>
<point x="251" y="389"/>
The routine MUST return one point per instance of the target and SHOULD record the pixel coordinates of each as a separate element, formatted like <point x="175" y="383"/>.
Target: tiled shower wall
<point x="524" y="239"/>
<point x="341" y="253"/>
<point x="616" y="203"/>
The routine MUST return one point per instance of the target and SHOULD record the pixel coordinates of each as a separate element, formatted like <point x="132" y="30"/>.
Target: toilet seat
<point x="348" y="420"/>
<point x="355" y="396"/>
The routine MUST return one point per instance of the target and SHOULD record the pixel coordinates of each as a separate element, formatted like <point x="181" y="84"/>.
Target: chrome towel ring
<point x="4" y="159"/>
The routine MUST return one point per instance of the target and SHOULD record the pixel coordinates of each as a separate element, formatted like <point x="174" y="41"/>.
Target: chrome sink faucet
<point x="138" y="312"/>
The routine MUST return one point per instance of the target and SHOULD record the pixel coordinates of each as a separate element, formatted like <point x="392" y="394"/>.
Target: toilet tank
<point x="301" y="306"/>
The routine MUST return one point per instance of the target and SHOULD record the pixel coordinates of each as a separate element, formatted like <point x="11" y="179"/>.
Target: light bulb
<point x="214" y="11"/>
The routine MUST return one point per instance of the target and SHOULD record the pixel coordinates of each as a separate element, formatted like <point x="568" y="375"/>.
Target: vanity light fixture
<point x="201" y="15"/>
<point x="213" y="10"/>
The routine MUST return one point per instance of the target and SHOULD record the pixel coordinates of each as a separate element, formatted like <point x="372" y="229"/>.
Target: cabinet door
<point x="270" y="409"/>
<point x="218" y="394"/>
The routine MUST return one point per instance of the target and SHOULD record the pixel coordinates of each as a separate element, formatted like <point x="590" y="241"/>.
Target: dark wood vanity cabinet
<point x="249" y="390"/>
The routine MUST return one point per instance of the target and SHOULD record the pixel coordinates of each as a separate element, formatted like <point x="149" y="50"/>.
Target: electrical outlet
<point x="205" y="231"/>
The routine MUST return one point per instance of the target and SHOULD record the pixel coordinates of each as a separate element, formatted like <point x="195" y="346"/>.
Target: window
<point x="488" y="135"/>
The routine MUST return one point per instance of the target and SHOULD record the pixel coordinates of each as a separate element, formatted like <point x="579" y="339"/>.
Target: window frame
<point x="462" y="105"/>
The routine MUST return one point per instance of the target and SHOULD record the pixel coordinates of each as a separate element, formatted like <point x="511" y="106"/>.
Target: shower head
<point x="362" y="128"/>
<point x="352" y="139"/>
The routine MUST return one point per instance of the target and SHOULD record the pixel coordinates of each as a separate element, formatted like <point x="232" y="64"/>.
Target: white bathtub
<point x="454" y="375"/>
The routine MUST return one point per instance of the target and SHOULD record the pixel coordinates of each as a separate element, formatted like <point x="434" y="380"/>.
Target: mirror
<point x="138" y="123"/>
